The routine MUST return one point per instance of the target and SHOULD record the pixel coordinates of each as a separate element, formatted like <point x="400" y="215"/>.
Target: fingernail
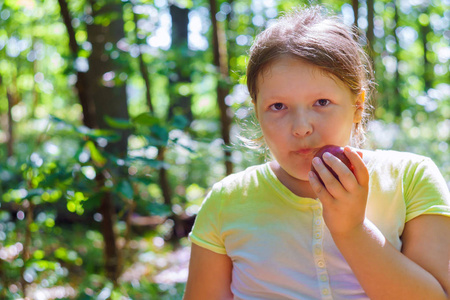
<point x="316" y="161"/>
<point x="327" y="155"/>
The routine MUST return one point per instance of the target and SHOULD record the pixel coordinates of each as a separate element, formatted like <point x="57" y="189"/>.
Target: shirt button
<point x="318" y="221"/>
<point x="317" y="212"/>
<point x="323" y="278"/>
<point x="325" y="291"/>
<point x="317" y="235"/>
<point x="321" y="264"/>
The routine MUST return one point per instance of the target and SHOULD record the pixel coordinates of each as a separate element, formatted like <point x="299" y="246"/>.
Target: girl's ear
<point x="357" y="117"/>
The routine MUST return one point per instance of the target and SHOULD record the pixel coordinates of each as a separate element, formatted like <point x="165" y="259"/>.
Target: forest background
<point x="117" y="116"/>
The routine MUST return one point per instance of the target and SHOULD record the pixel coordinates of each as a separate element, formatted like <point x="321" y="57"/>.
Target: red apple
<point x="336" y="151"/>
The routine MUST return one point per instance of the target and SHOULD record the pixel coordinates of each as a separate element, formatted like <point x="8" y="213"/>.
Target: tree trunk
<point x="355" y="5"/>
<point x="100" y="98"/>
<point x="9" y="122"/>
<point x="427" y="66"/>
<point x="111" y="252"/>
<point x="221" y="63"/>
<point x="35" y="92"/>
<point x="29" y="209"/>
<point x="82" y="84"/>
<point x="180" y="104"/>
<point x="177" y="231"/>
<point x="108" y="94"/>
<point x="163" y="179"/>
<point x="10" y="141"/>
<point x="370" y="27"/>
<point x="143" y="68"/>
<point x="397" y="95"/>
<point x="3" y="279"/>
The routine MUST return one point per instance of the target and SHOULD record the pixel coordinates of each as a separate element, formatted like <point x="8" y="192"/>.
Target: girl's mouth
<point x="304" y="151"/>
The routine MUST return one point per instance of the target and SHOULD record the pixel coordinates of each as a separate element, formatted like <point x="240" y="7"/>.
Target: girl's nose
<point x="301" y="125"/>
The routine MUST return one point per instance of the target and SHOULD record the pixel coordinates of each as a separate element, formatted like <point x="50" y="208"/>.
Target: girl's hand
<point x="344" y="200"/>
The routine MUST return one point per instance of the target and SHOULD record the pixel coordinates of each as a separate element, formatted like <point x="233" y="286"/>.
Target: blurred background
<point x="117" y="116"/>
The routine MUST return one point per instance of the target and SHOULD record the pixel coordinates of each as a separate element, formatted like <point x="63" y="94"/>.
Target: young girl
<point x="274" y="231"/>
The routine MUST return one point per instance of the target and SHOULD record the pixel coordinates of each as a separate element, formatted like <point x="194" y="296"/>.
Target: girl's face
<point x="300" y="109"/>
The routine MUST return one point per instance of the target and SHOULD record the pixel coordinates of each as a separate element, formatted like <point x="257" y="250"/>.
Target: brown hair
<point x="310" y="34"/>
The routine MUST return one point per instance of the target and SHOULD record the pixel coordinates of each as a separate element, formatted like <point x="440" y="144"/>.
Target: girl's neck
<point x="300" y="188"/>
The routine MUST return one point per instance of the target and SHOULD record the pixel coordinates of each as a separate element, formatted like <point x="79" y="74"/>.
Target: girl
<point x="274" y="231"/>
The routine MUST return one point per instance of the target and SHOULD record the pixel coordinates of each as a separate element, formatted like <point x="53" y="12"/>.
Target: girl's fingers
<point x="319" y="188"/>
<point x="333" y="186"/>
<point x="359" y="168"/>
<point x="347" y="181"/>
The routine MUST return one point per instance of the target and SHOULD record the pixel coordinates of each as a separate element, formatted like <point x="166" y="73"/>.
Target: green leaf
<point x="175" y="141"/>
<point x="60" y="253"/>
<point x="79" y="196"/>
<point x="159" y="209"/>
<point x="96" y="156"/>
<point x="58" y="120"/>
<point x="154" y="141"/>
<point x="109" y="135"/>
<point x="93" y="202"/>
<point x="45" y="264"/>
<point x="124" y="187"/>
<point x="161" y="133"/>
<point x="180" y="122"/>
<point x="34" y="192"/>
<point x="66" y="125"/>
<point x="154" y="163"/>
<point x="146" y="119"/>
<point x="38" y="254"/>
<point x="53" y="179"/>
<point x="146" y="180"/>
<point x="118" y="123"/>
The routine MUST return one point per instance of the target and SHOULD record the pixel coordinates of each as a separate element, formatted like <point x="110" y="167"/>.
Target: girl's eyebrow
<point x="273" y="97"/>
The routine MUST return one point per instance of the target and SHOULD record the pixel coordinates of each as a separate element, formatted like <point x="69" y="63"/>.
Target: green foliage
<point x="44" y="181"/>
<point x="52" y="185"/>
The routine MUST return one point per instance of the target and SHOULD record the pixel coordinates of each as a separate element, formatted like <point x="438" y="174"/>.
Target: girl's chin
<point x="302" y="177"/>
<point x="299" y="176"/>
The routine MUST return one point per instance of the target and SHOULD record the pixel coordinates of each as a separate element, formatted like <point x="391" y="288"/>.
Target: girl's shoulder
<point x="239" y="181"/>
<point x="405" y="169"/>
<point x="391" y="159"/>
<point x="234" y="189"/>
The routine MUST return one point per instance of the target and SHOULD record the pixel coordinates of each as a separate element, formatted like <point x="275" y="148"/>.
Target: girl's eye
<point x="277" y="106"/>
<point x="323" y="102"/>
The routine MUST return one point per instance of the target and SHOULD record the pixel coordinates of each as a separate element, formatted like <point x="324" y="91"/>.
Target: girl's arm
<point x="420" y="271"/>
<point x="426" y="241"/>
<point x="209" y="275"/>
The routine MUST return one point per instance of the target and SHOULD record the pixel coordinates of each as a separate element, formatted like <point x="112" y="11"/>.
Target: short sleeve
<point x="206" y="229"/>
<point x="426" y="191"/>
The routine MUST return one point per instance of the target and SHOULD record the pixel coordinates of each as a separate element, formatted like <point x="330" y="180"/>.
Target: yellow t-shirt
<point x="279" y="243"/>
